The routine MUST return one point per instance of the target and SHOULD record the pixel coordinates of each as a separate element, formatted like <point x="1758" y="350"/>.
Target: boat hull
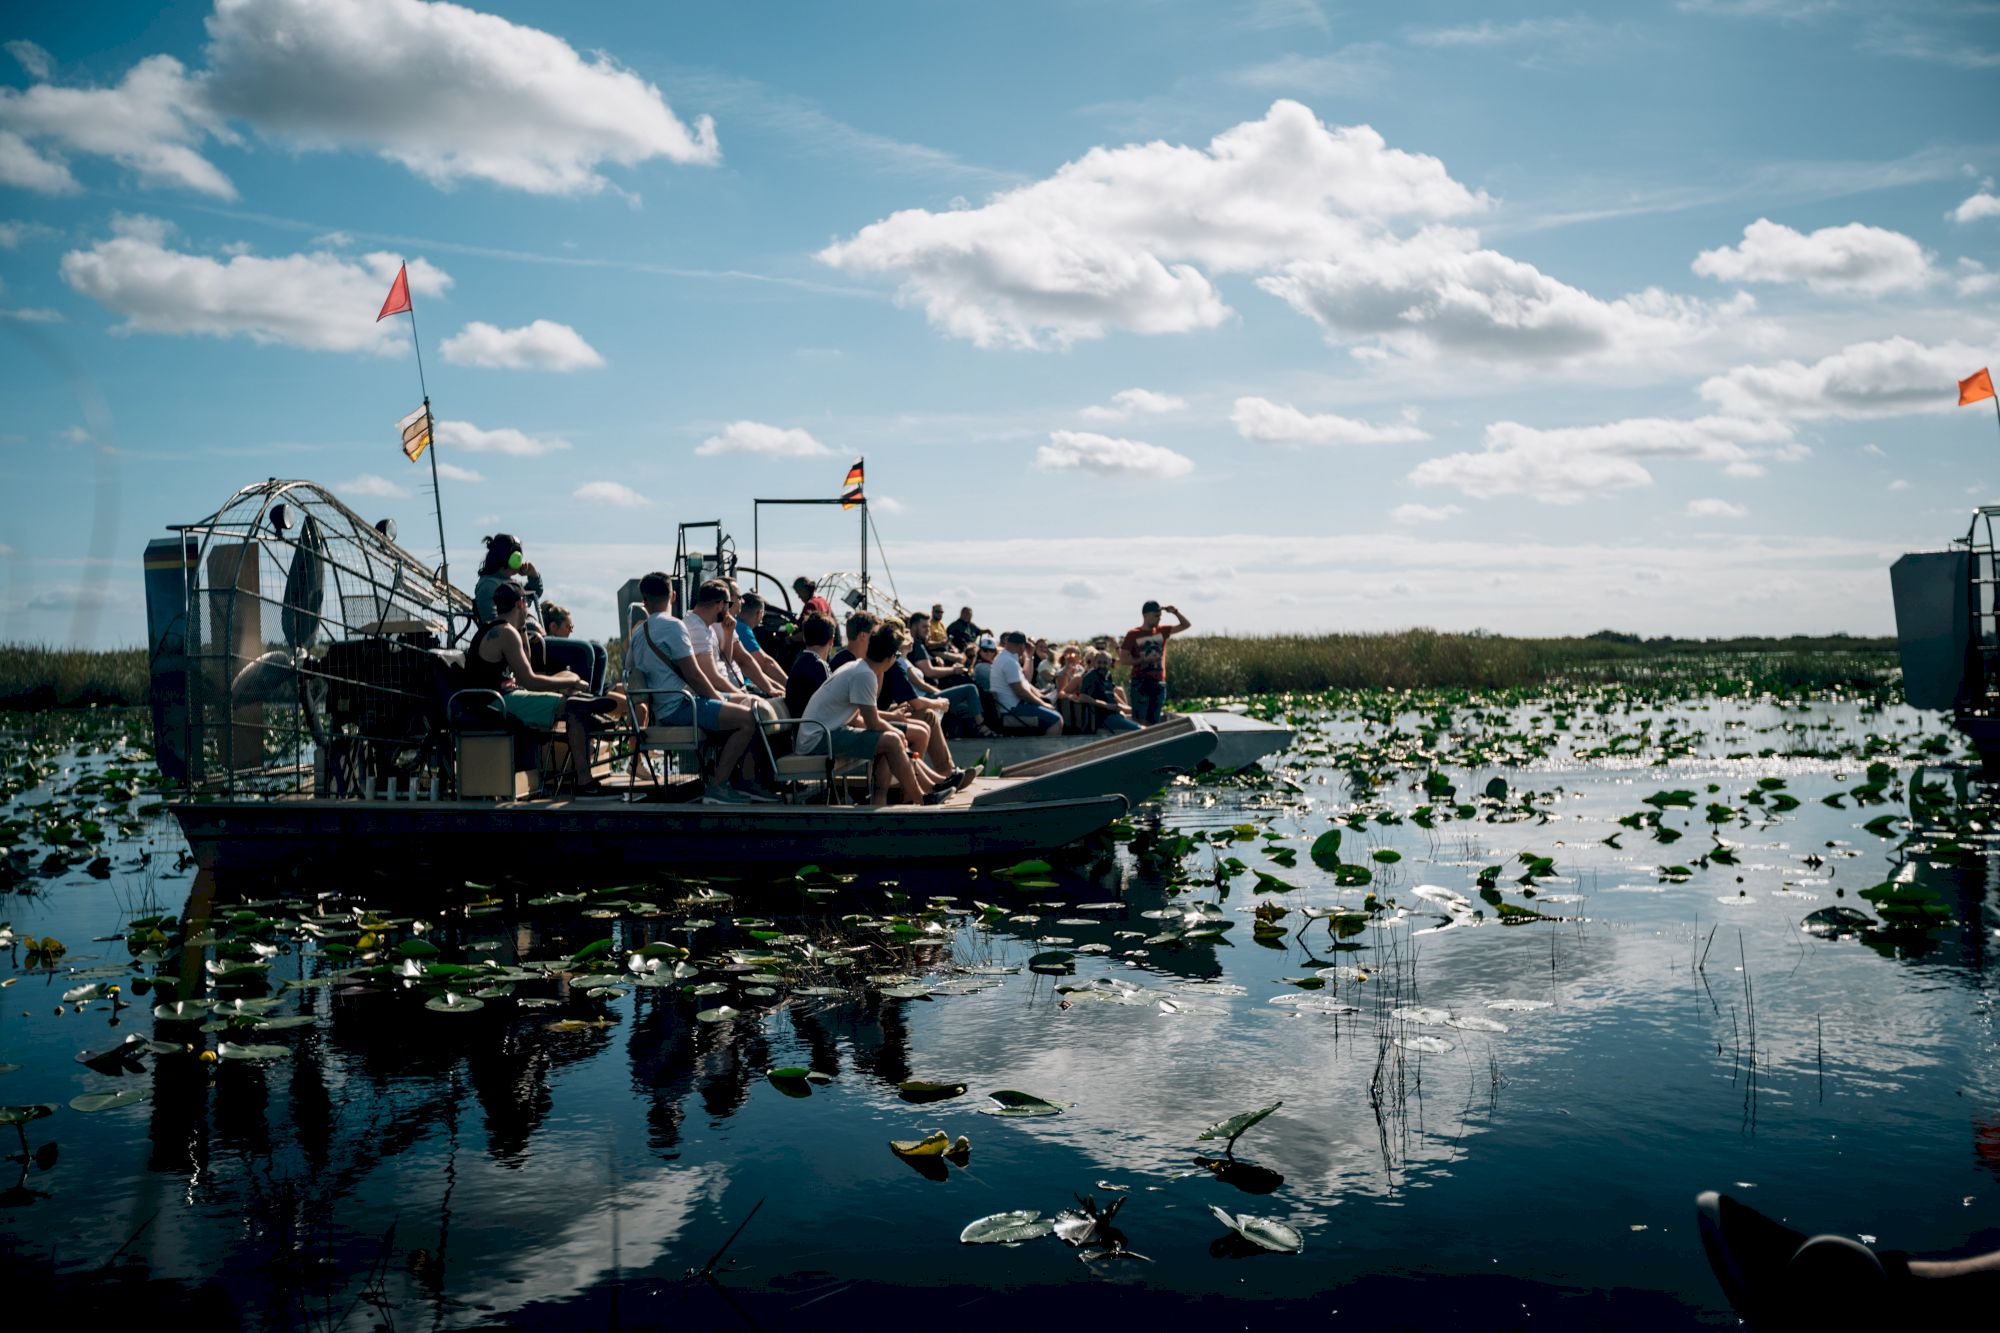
<point x="1240" y="741"/>
<point x="1135" y="766"/>
<point x="497" y="838"/>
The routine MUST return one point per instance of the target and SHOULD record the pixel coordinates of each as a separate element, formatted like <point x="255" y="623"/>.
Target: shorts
<point x="848" y="742"/>
<point x="533" y="708"/>
<point x="703" y="713"/>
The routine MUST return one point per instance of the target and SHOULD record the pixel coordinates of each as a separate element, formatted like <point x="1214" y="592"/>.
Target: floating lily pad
<point x="249" y="1051"/>
<point x="448" y="1003"/>
<point x="1232" y="1128"/>
<point x="722" y="1013"/>
<point x="108" y="1101"/>
<point x="1427" y="1045"/>
<point x="932" y="1145"/>
<point x="1267" y="1233"/>
<point x="1013" y="1103"/>
<point x="1007" y="1229"/>
<point x="917" y="1090"/>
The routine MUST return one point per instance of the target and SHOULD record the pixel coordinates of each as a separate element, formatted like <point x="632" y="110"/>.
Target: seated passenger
<point x="758" y="668"/>
<point x="505" y="563"/>
<point x="849" y="697"/>
<point x="956" y="688"/>
<point x="685" y="691"/>
<point x="705" y="623"/>
<point x="984" y="652"/>
<point x="938" y="638"/>
<point x="924" y="735"/>
<point x="809" y="668"/>
<point x="1012" y="693"/>
<point x="962" y="632"/>
<point x="498" y="660"/>
<point x="1101" y="694"/>
<point x="859" y="626"/>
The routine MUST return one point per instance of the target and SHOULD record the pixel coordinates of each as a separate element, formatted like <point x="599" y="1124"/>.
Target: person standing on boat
<point x="506" y="563"/>
<point x="684" y="690"/>
<point x="498" y="661"/>
<point x="1012" y="693"/>
<point x="810" y="602"/>
<point x="1145" y="651"/>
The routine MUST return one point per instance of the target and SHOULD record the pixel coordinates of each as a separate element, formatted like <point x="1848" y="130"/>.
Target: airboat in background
<point x="304" y="671"/>
<point x="1948" y="633"/>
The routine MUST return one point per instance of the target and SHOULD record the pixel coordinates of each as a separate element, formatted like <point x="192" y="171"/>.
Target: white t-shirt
<point x="1006" y="676"/>
<point x="834" y="704"/>
<point x="707" y="638"/>
<point x="647" y="668"/>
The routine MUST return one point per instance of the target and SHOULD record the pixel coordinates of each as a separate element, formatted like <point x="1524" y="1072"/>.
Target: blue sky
<point x="1535" y="319"/>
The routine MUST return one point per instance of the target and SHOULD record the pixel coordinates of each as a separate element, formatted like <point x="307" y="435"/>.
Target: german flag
<point x="416" y="432"/>
<point x="850" y="490"/>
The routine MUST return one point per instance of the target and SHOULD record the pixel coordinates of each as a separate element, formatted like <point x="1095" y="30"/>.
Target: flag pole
<point x="437" y="494"/>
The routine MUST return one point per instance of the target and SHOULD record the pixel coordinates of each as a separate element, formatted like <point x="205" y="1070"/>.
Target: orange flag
<point x="399" y="295"/>
<point x="1975" y="387"/>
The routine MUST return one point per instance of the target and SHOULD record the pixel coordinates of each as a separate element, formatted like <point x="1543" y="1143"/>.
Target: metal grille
<point x="320" y="653"/>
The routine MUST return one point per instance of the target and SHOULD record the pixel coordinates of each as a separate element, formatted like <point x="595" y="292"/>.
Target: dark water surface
<point x="571" y="1164"/>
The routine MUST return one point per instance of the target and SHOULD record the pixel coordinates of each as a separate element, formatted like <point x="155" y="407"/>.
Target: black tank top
<point x="481" y="674"/>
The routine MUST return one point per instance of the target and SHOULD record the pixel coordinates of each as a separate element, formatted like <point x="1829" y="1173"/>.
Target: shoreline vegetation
<point x="40" y="677"/>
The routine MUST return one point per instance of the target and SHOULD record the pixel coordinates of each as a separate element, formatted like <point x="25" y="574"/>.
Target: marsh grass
<point x="36" y="677"/>
<point x="1217" y="667"/>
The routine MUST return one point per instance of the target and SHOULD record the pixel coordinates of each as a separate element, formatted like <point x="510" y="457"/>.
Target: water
<point x="405" y="1167"/>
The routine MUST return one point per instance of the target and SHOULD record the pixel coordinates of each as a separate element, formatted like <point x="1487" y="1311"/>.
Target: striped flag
<point x="850" y="490"/>
<point x="416" y="432"/>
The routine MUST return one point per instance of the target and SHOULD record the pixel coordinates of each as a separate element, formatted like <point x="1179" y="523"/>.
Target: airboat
<point x="1948" y="633"/>
<point x="305" y="669"/>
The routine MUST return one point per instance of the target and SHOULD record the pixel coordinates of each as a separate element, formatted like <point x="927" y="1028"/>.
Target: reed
<point x="36" y="677"/>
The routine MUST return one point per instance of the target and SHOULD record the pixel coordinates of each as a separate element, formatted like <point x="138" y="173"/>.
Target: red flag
<point x="399" y="295"/>
<point x="1974" y="387"/>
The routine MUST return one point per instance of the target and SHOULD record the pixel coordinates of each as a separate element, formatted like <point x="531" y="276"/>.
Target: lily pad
<point x="1013" y="1103"/>
<point x="21" y="1115"/>
<point x="722" y="1013"/>
<point x="448" y="1003"/>
<point x="917" y="1090"/>
<point x="1232" y="1128"/>
<point x="932" y="1145"/>
<point x="1267" y="1233"/>
<point x="108" y="1101"/>
<point x="1007" y="1229"/>
<point x="249" y="1051"/>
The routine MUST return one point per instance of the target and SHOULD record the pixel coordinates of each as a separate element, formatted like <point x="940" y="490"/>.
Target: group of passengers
<point x="890" y="692"/>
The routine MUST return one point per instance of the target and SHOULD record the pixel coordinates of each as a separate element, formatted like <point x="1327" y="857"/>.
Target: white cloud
<point x="1873" y="451"/>
<point x="1438" y="293"/>
<point x="1073" y="450"/>
<point x="13" y="234"/>
<point x="1975" y="279"/>
<point x="1872" y="379"/>
<point x="1712" y="508"/>
<point x="506" y="440"/>
<point x="38" y="63"/>
<point x="1134" y="402"/>
<point x="888" y="504"/>
<point x="612" y="493"/>
<point x="450" y="93"/>
<point x="32" y="315"/>
<point x="373" y="486"/>
<point x="150" y="123"/>
<point x="315" y="300"/>
<point x="542" y="345"/>
<point x="754" y="437"/>
<point x="1570" y="464"/>
<point x="453" y="472"/>
<point x="1899" y="485"/>
<point x="1853" y="258"/>
<point x="1082" y="590"/>
<point x="1281" y="423"/>
<point x="1984" y="204"/>
<point x="1112" y="239"/>
<point x="1416" y="513"/>
<point x="1487" y="33"/>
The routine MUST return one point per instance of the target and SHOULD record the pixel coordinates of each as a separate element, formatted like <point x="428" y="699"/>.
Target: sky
<point x="1303" y="317"/>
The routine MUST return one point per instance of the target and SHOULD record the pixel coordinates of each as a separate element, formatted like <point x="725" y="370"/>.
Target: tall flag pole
<point x="418" y="429"/>
<point x="851" y="495"/>
<point x="1978" y="385"/>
